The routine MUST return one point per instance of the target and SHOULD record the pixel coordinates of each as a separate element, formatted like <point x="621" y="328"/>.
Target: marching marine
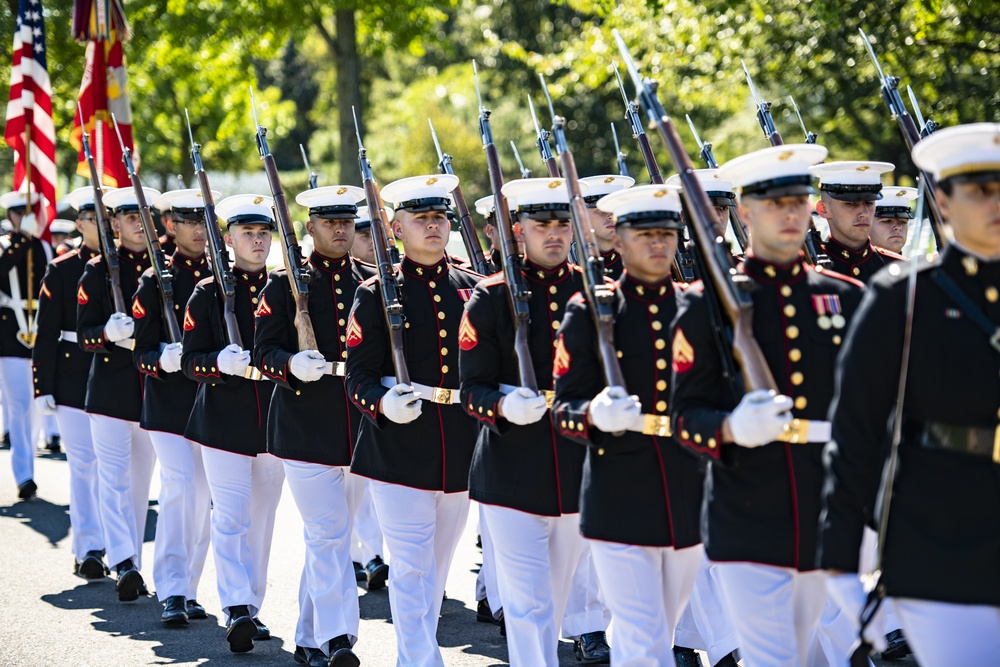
<point x="603" y="223"/>
<point x="892" y="218"/>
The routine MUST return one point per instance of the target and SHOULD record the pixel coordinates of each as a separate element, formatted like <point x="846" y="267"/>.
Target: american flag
<point x="29" y="113"/>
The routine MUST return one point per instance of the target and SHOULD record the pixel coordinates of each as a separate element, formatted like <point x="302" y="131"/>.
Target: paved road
<point x="49" y="617"/>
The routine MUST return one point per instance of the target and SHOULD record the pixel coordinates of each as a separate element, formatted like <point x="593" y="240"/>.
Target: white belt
<point x="428" y="393"/>
<point x="550" y="396"/>
<point x="338" y="368"/>
<point x="68" y="336"/>
<point x="806" y="430"/>
<point x="16" y="304"/>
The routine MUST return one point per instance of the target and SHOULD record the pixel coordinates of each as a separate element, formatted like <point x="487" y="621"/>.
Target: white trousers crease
<point x="84" y="498"/>
<point x="328" y="605"/>
<point x="705" y="623"/>
<point x="366" y="535"/>
<point x="125" y="461"/>
<point x="646" y="589"/>
<point x="245" y="494"/>
<point x="421" y="530"/>
<point x="486" y="579"/>
<point x="16" y="384"/>
<point x="534" y="571"/>
<point x="943" y="634"/>
<point x="586" y="610"/>
<point x="182" y="527"/>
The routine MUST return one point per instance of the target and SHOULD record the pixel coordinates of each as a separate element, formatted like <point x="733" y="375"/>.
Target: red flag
<point x="29" y="129"/>
<point x="104" y="90"/>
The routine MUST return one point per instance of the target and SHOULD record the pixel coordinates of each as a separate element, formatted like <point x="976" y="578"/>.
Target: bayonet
<point x="810" y="136"/>
<point x="622" y="167"/>
<point x="525" y="172"/>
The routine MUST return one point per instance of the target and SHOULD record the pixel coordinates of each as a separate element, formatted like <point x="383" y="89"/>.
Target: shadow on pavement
<point x="43" y="517"/>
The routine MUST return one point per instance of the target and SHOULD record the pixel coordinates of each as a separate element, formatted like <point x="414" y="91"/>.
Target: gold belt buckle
<point x="657" y="425"/>
<point x="996" y="445"/>
<point x="253" y="373"/>
<point x="550" y="397"/>
<point x="796" y="432"/>
<point x="441" y="395"/>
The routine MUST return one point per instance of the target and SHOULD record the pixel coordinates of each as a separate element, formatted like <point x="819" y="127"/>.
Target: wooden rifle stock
<point x="734" y="301"/>
<point x="106" y="235"/>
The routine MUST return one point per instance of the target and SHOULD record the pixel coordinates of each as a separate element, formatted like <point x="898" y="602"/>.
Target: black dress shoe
<point x="194" y="610"/>
<point x="897" y="647"/>
<point x="5" y="443"/>
<point x="687" y="657"/>
<point x="300" y="655"/>
<point x="341" y="654"/>
<point x="502" y="622"/>
<point x="53" y="444"/>
<point x="240" y="633"/>
<point x="130" y="582"/>
<point x="360" y="575"/>
<point x="729" y="660"/>
<point x="27" y="490"/>
<point x="92" y="566"/>
<point x="174" y="612"/>
<point x="592" y="649"/>
<point x="314" y="658"/>
<point x="263" y="632"/>
<point x="484" y="614"/>
<point x="377" y="572"/>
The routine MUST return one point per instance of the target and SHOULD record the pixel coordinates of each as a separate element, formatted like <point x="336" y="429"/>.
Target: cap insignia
<point x="609" y="179"/>
<point x="786" y="155"/>
<point x="258" y="199"/>
<point x="341" y="190"/>
<point x="432" y="180"/>
<point x="554" y="184"/>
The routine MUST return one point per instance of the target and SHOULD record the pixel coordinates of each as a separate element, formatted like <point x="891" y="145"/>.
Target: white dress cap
<point x="895" y="202"/>
<point x="187" y="203"/>
<point x="17" y="200"/>
<point x="657" y="205"/>
<point x="963" y="150"/>
<point x="717" y="188"/>
<point x="332" y="201"/>
<point x="419" y="194"/>
<point x="598" y="186"/>
<point x="852" y="180"/>
<point x="246" y="210"/>
<point x="123" y="200"/>
<point x="777" y="171"/>
<point x="82" y="199"/>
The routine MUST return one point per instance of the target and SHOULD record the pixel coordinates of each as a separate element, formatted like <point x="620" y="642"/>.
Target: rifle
<point x="298" y="279"/>
<point x="525" y="172"/>
<point x="473" y="244"/>
<point x="600" y="298"/>
<point x="729" y="289"/>
<point x="224" y="279"/>
<point x="813" y="245"/>
<point x="543" y="143"/>
<point x="926" y="127"/>
<point x="159" y="260"/>
<point x="739" y="231"/>
<point x="106" y="235"/>
<point x="810" y="136"/>
<point x="389" y="288"/>
<point x="911" y="135"/>
<point x="622" y="167"/>
<point x="519" y="296"/>
<point x="313" y="177"/>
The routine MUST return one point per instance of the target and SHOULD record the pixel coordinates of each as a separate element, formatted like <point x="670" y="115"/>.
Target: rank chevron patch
<point x="468" y="337"/>
<point x="560" y="363"/>
<point x="683" y="353"/>
<point x="81" y="296"/>
<point x="188" y="320"/>
<point x="354" y="333"/>
<point x="138" y="312"/>
<point x="263" y="308"/>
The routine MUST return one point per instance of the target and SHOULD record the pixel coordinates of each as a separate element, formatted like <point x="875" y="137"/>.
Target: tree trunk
<point x="348" y="93"/>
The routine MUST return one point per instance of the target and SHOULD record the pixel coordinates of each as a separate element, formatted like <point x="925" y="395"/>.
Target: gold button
<point x="660" y="344"/>
<point x="836" y="340"/>
<point x="801" y="402"/>
<point x="341" y="322"/>
<point x="572" y="424"/>
<point x="444" y="351"/>
<point x="340" y="306"/>
<point x="489" y="413"/>
<point x="789" y="310"/>
<point x="443" y="333"/>
<point x="661" y="406"/>
<point x="657" y="325"/>
<point x="711" y="443"/>
<point x="343" y="339"/>
<point x="661" y="385"/>
<point x="797" y="378"/>
<point x="992" y="294"/>
<point x="618" y="353"/>
<point x="856" y="271"/>
<point x="337" y="277"/>
<point x="786" y="290"/>
<point x="197" y="274"/>
<point x="106" y="360"/>
<point x="432" y="284"/>
<point x="697" y="438"/>
<point x="579" y="427"/>
<point x="444" y="369"/>
<point x="343" y="355"/>
<point x="177" y="306"/>
<point x="339" y="291"/>
<point x="792" y="332"/>
<point x="555" y="324"/>
<point x="441" y="315"/>
<point x="298" y="392"/>
<point x="661" y="363"/>
<point x="67" y="355"/>
<point x="600" y="451"/>
<point x="795" y="354"/>
<point x="437" y="298"/>
<point x="253" y="288"/>
<point x="685" y="435"/>
<point x="254" y="300"/>
<point x="552" y="289"/>
<point x="553" y="307"/>
<point x="654" y="309"/>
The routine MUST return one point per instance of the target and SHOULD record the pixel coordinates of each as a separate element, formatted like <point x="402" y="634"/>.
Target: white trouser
<point x="585" y="608"/>
<point x="328" y="603"/>
<point x="50" y="426"/>
<point x="943" y="634"/>
<point x="125" y="461"/>
<point x="646" y="589"/>
<point x="534" y="570"/>
<point x="866" y="563"/>
<point x="84" y="500"/>
<point x="184" y="510"/>
<point x="705" y="623"/>
<point x="775" y="611"/>
<point x="15" y="376"/>
<point x="366" y="536"/>
<point x="487" y="587"/>
<point x="245" y="495"/>
<point x="421" y="530"/>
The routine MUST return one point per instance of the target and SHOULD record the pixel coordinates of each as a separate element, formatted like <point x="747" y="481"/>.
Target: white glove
<point x="760" y="418"/>
<point x="613" y="410"/>
<point x="233" y="360"/>
<point x="29" y="225"/>
<point x="45" y="405"/>
<point x="307" y="365"/>
<point x="170" y="358"/>
<point x="848" y="592"/>
<point x="119" y="327"/>
<point x="401" y="404"/>
<point x="523" y="406"/>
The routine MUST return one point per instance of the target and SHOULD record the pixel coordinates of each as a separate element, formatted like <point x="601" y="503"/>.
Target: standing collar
<point x="841" y="253"/>
<point x="324" y="263"/>
<point x="769" y="272"/>
<point x="632" y="286"/>
<point x="422" y="272"/>
<point x="250" y="277"/>
<point x="135" y="257"/>
<point x="190" y="263"/>
<point x="546" y="276"/>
